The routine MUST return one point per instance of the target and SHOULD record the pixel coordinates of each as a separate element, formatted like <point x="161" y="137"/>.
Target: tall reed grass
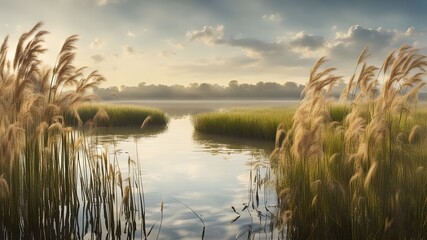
<point x="363" y="177"/>
<point x="53" y="183"/>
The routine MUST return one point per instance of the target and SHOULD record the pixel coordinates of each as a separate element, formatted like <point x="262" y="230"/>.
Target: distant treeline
<point x="234" y="90"/>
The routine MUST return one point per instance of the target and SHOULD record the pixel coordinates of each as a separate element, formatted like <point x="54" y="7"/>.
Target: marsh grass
<point x="122" y="115"/>
<point x="245" y="122"/>
<point x="362" y="176"/>
<point x="257" y="123"/>
<point x="54" y="182"/>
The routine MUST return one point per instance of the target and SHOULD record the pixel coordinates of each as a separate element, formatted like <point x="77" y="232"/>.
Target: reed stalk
<point x="54" y="182"/>
<point x="361" y="177"/>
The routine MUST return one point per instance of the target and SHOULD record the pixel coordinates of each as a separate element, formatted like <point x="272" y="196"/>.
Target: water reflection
<point x="216" y="144"/>
<point x="225" y="180"/>
<point x="126" y="133"/>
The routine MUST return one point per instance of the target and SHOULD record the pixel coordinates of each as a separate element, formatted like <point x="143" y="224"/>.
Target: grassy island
<point x="260" y="123"/>
<point x="121" y="115"/>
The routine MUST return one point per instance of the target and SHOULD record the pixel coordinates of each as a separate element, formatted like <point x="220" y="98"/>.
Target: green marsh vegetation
<point x="245" y="122"/>
<point x="54" y="182"/>
<point x="123" y="115"/>
<point x="363" y="177"/>
<point x="256" y="123"/>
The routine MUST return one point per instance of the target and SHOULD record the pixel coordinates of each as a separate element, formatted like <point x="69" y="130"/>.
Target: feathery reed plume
<point x="4" y="188"/>
<point x="363" y="55"/>
<point x="372" y="171"/>
<point x="371" y="174"/>
<point x="414" y="135"/>
<point x="310" y="118"/>
<point x="100" y="117"/>
<point x="37" y="148"/>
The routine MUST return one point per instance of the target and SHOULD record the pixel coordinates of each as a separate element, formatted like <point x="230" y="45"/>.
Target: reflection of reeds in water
<point x="47" y="170"/>
<point x="217" y="144"/>
<point x="363" y="177"/>
<point x="257" y="215"/>
<point x="260" y="206"/>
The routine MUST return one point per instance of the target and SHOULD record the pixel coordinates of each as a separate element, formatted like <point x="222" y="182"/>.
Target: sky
<point x="192" y="41"/>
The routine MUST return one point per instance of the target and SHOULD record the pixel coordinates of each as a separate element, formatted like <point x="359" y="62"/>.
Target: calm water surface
<point x="210" y="174"/>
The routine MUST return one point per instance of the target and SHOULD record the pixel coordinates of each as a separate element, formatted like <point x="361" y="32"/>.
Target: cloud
<point x="270" y="53"/>
<point x="410" y="31"/>
<point x="97" y="58"/>
<point x="357" y="34"/>
<point x="302" y="49"/>
<point x="308" y="41"/>
<point x="379" y="40"/>
<point x="273" y="17"/>
<point x="208" y="35"/>
<point x="130" y="34"/>
<point x="97" y="43"/>
<point x="129" y="50"/>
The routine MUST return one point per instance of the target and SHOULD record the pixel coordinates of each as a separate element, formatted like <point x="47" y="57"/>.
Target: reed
<point x="362" y="177"/>
<point x="54" y="184"/>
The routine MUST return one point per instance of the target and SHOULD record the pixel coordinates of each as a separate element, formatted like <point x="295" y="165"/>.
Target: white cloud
<point x="272" y="17"/>
<point x="130" y="34"/>
<point x="346" y="46"/>
<point x="358" y="34"/>
<point x="410" y="31"/>
<point x="307" y="41"/>
<point x="208" y="35"/>
<point x="97" y="43"/>
<point x="276" y="53"/>
<point x="301" y="49"/>
<point x="381" y="40"/>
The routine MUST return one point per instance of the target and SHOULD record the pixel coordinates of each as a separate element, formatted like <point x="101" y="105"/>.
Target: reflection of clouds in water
<point x="177" y="165"/>
<point x="182" y="222"/>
